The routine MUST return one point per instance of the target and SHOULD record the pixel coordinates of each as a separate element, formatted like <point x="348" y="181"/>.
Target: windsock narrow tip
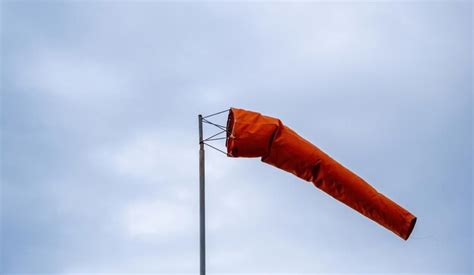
<point x="410" y="228"/>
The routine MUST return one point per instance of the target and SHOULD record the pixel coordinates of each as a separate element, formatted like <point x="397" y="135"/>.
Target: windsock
<point x="251" y="134"/>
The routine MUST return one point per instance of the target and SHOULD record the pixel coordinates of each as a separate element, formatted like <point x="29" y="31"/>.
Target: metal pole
<point x="202" y="209"/>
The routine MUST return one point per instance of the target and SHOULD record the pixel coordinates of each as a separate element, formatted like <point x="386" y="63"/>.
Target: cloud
<point x="149" y="157"/>
<point x="71" y="75"/>
<point x="153" y="220"/>
<point x="99" y="136"/>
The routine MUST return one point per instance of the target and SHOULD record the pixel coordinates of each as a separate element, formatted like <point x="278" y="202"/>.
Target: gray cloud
<point x="99" y="137"/>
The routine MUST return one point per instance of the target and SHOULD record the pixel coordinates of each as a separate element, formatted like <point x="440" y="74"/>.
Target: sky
<point x="99" y="134"/>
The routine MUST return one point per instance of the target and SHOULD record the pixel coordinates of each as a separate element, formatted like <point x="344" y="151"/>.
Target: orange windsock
<point x="252" y="134"/>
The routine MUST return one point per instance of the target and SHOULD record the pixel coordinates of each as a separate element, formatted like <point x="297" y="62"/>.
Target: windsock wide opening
<point x="229" y="134"/>
<point x="249" y="134"/>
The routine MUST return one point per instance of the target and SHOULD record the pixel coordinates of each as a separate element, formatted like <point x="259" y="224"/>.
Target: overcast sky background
<point x="99" y="148"/>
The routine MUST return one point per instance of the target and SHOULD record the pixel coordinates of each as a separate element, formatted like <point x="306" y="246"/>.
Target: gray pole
<point x="202" y="209"/>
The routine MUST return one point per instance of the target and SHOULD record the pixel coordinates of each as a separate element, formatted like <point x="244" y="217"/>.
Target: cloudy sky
<point x="99" y="145"/>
